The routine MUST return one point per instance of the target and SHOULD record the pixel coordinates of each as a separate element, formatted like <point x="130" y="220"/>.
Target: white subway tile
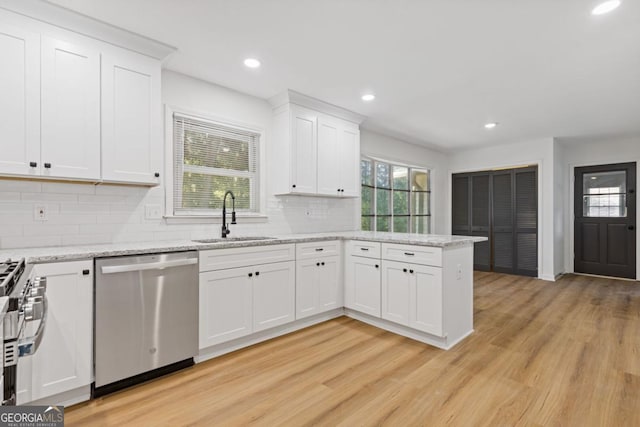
<point x="19" y="185"/>
<point x="100" y="199"/>
<point x="10" y="230"/>
<point x="100" y="228"/>
<point x="43" y="229"/>
<point x="68" y="188"/>
<point x="6" y="196"/>
<point x="86" y="239"/>
<point x="29" y="241"/>
<point x="119" y="218"/>
<point x="49" y="197"/>
<point x="67" y="218"/>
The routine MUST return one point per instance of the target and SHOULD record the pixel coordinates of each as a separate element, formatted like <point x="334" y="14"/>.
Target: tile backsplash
<point x="78" y="214"/>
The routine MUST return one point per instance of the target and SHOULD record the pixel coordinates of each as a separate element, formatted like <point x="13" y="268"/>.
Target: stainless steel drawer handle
<point x="319" y="249"/>
<point x="364" y="249"/>
<point x="110" y="269"/>
<point x="409" y="254"/>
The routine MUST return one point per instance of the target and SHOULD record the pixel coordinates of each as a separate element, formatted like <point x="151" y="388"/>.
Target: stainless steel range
<point x="27" y="303"/>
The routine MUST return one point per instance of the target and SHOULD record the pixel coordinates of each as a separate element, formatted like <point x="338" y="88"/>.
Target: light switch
<point x="152" y="212"/>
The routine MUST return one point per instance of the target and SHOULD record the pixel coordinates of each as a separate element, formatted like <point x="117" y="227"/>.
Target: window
<point x="209" y="159"/>
<point x="395" y="198"/>
<point x="605" y="194"/>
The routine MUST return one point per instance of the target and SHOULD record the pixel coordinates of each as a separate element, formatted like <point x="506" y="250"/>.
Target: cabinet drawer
<point x="425" y="255"/>
<point x="365" y="249"/>
<point x="317" y="249"/>
<point x="218" y="259"/>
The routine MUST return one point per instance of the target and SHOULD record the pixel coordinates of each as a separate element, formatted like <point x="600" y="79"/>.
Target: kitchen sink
<point x="234" y="239"/>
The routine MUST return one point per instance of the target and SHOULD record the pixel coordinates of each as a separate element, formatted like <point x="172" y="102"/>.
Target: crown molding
<point x="78" y="23"/>
<point x="292" y="97"/>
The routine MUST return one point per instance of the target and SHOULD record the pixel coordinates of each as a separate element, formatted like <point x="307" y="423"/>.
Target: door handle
<point x="147" y="266"/>
<point x="631" y="227"/>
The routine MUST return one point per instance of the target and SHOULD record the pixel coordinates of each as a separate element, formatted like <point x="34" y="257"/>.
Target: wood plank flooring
<point x="543" y="354"/>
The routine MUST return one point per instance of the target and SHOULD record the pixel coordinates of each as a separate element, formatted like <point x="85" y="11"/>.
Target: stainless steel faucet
<point x="225" y="227"/>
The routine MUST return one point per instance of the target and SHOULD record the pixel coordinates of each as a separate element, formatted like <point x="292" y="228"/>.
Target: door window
<point x="604" y="194"/>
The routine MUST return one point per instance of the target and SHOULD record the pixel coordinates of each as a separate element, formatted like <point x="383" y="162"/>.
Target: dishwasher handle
<point x="110" y="269"/>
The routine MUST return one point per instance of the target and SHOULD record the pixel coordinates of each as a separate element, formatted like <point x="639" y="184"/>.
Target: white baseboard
<point x="66" y="399"/>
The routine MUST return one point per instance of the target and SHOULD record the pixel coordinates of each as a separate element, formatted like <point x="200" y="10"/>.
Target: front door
<point x="605" y="220"/>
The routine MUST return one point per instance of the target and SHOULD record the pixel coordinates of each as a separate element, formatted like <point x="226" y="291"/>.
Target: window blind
<point x="209" y="159"/>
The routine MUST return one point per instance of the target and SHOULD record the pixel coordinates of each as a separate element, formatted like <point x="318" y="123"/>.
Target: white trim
<point x="539" y="164"/>
<point x="292" y="97"/>
<point x="87" y="26"/>
<point x="570" y="220"/>
<point x="217" y="119"/>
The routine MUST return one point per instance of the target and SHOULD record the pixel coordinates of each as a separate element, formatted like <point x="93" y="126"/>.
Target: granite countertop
<point x="69" y="253"/>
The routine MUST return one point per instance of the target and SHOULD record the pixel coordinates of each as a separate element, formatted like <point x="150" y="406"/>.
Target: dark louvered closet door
<point x="461" y="219"/>
<point x="526" y="221"/>
<point x="502" y="204"/>
<point x="480" y="220"/>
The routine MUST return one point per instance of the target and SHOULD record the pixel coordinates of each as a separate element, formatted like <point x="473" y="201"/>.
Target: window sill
<point x="215" y="219"/>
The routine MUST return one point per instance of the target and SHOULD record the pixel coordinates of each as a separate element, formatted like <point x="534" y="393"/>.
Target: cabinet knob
<point x="317" y="264"/>
<point x="85" y="272"/>
<point x="404" y="270"/>
<point x="411" y="271"/>
<point x="47" y="165"/>
<point x="377" y="266"/>
<point x="250" y="274"/>
<point x="33" y="164"/>
<point x="157" y="174"/>
<point x="257" y="273"/>
<point x="322" y="263"/>
<point x="294" y="186"/>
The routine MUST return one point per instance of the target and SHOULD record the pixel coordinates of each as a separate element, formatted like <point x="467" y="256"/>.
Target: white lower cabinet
<point x="225" y="305"/>
<point x="412" y="295"/>
<point x="318" y="286"/>
<point x="235" y="302"/>
<point x="362" y="285"/>
<point x="274" y="287"/>
<point x="64" y="358"/>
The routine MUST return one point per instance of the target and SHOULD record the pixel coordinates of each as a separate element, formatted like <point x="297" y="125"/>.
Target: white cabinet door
<point x="64" y="359"/>
<point x="425" y="311"/>
<point x="396" y="291"/>
<point x="362" y="285"/>
<point x="328" y="157"/>
<point x="304" y="151"/>
<point x="70" y="111"/>
<point x="349" y="161"/>
<point x="330" y="289"/>
<point x="307" y="283"/>
<point x="274" y="287"/>
<point x="225" y="305"/>
<point x="131" y="140"/>
<point x="19" y="101"/>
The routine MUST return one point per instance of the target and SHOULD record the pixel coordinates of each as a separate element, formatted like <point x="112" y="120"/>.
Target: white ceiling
<point x="440" y="69"/>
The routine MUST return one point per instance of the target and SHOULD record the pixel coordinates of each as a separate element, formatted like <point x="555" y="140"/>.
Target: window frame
<point x="409" y="191"/>
<point x="213" y="216"/>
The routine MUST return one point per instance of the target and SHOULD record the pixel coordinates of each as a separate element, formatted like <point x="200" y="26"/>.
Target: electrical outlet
<point x="40" y="213"/>
<point x="152" y="212"/>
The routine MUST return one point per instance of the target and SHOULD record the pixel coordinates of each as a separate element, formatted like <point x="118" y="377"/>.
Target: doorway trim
<point x="570" y="219"/>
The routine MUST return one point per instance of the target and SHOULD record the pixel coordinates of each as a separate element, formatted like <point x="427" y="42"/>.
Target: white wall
<point x="88" y="214"/>
<point x="560" y="206"/>
<point x="388" y="148"/>
<point x="539" y="152"/>
<point x="587" y="152"/>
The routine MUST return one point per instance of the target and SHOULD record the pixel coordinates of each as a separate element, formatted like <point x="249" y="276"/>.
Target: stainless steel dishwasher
<point x="146" y="318"/>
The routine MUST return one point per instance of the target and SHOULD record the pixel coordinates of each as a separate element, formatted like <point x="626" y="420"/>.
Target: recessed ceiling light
<point x="490" y="125"/>
<point x="368" y="97"/>
<point x="252" y="63"/>
<point x="605" y="7"/>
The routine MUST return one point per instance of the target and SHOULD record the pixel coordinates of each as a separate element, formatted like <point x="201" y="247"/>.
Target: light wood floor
<point x="552" y="354"/>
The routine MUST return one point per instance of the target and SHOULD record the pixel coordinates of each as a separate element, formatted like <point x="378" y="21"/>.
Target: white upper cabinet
<point x="131" y="140"/>
<point x="70" y="110"/>
<point x="304" y="146"/>
<point x="349" y="160"/>
<point x="76" y="107"/>
<point x="20" y="101"/>
<point x="315" y="148"/>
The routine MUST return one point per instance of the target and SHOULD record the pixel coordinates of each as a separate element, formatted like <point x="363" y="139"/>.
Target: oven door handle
<point x="110" y="269"/>
<point x="28" y="346"/>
